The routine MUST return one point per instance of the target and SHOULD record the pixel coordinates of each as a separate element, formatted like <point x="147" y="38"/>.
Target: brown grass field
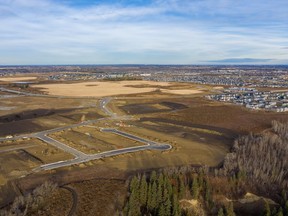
<point x="28" y="154"/>
<point x="104" y="89"/>
<point x="16" y="79"/>
<point x="91" y="140"/>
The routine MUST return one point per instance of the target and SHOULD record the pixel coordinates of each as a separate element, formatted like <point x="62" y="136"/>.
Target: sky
<point x="143" y="32"/>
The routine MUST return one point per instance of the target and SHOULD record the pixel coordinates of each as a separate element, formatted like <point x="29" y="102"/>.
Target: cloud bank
<point x="142" y="32"/>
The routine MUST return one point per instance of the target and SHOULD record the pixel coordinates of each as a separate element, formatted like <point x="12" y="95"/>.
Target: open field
<point x="104" y="89"/>
<point x="200" y="112"/>
<point x="19" y="157"/>
<point x="16" y="79"/>
<point x="91" y="140"/>
<point x="31" y="114"/>
<point x="181" y="91"/>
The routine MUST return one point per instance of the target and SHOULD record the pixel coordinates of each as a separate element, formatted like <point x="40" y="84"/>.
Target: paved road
<point x="17" y="148"/>
<point x="64" y="147"/>
<point x="75" y="200"/>
<point x="103" y="106"/>
<point x="20" y="92"/>
<point x="46" y="132"/>
<point x="127" y="135"/>
<point x="150" y="145"/>
<point x="81" y="157"/>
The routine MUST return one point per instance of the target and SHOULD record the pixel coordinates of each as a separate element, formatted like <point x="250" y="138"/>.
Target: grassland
<point x="96" y="89"/>
<point x="18" y="158"/>
<point x="31" y="114"/>
<point x="16" y="79"/>
<point x="91" y="140"/>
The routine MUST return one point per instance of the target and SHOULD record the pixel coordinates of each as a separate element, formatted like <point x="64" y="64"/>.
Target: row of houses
<point x="254" y="99"/>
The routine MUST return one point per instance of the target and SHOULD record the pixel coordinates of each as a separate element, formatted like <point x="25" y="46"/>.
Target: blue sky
<point x="143" y="32"/>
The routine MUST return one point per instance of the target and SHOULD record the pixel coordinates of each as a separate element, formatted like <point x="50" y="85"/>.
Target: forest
<point x="257" y="163"/>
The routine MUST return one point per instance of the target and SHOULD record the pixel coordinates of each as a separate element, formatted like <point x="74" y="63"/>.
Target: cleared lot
<point x="91" y="140"/>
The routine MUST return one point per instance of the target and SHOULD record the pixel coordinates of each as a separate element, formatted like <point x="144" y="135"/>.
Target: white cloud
<point x="37" y="31"/>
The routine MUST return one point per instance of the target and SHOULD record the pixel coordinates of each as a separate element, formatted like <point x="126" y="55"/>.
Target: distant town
<point x="243" y="84"/>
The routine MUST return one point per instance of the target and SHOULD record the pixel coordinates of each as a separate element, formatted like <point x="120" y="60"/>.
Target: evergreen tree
<point x="159" y="198"/>
<point x="286" y="208"/>
<point x="149" y="197"/>
<point x="154" y="195"/>
<point x="230" y="209"/>
<point x="161" y="210"/>
<point x="195" y="188"/>
<point x="284" y="197"/>
<point x="168" y="186"/>
<point x="167" y="202"/>
<point x="153" y="176"/>
<point x="143" y="191"/>
<point x="181" y="188"/>
<point x="220" y="212"/>
<point x="280" y="212"/>
<point x="274" y="211"/>
<point x="176" y="211"/>
<point x="134" y="207"/>
<point x="134" y="187"/>
<point x="208" y="197"/>
<point x="161" y="179"/>
<point x="126" y="208"/>
<point x="201" y="179"/>
<point x="267" y="209"/>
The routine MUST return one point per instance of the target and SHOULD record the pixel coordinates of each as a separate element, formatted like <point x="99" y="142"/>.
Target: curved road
<point x="75" y="200"/>
<point x="81" y="157"/>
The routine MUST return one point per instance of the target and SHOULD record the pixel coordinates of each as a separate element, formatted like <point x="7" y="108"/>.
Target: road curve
<point x="149" y="146"/>
<point x="75" y="200"/>
<point x="81" y="157"/>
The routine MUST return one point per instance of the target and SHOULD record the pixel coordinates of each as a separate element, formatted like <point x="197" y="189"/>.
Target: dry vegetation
<point x="16" y="79"/>
<point x="104" y="89"/>
<point x="230" y="117"/>
<point x="97" y="89"/>
<point x="91" y="140"/>
<point x="18" y="158"/>
<point x="262" y="157"/>
<point x="100" y="196"/>
<point x="31" y="114"/>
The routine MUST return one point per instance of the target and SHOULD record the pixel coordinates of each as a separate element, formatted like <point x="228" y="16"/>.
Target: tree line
<point x="161" y="194"/>
<point x="32" y="202"/>
<point x="263" y="158"/>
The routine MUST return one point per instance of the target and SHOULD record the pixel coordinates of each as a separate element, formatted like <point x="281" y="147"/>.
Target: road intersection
<point x="80" y="157"/>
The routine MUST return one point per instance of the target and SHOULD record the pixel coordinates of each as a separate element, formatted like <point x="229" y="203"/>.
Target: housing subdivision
<point x="253" y="99"/>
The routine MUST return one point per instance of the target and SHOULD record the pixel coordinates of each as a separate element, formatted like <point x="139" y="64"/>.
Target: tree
<point x="181" y="188"/>
<point x="166" y="202"/>
<point x="161" y="210"/>
<point x="208" y="195"/>
<point x="159" y="198"/>
<point x="143" y="191"/>
<point x="220" y="212"/>
<point x="195" y="188"/>
<point x="176" y="211"/>
<point x="286" y="208"/>
<point x="153" y="176"/>
<point x="152" y="197"/>
<point x="267" y="209"/>
<point x="133" y="206"/>
<point x="280" y="212"/>
<point x="230" y="209"/>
